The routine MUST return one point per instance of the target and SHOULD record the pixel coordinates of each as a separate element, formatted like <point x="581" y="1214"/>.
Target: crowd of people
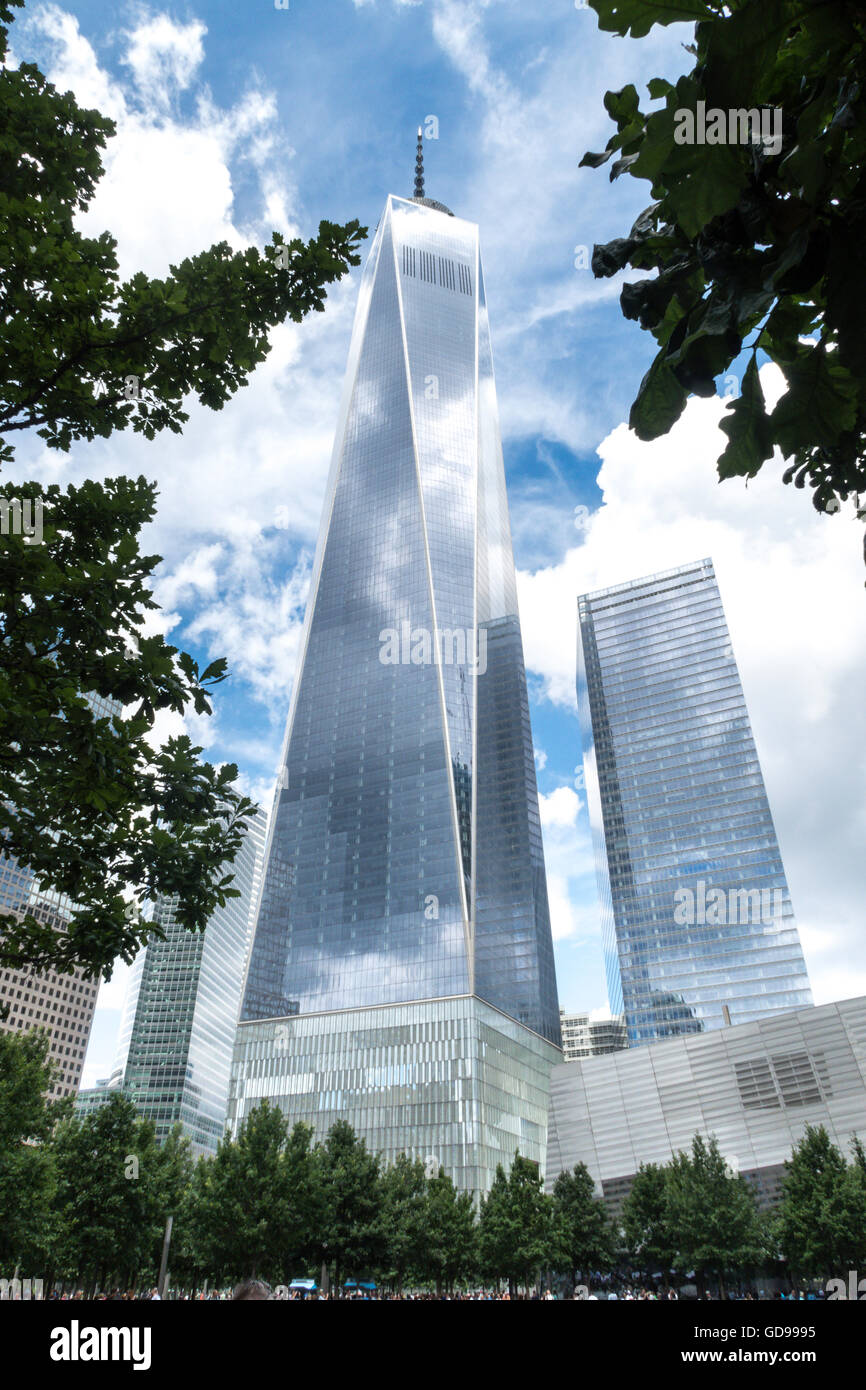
<point x="604" y="1289"/>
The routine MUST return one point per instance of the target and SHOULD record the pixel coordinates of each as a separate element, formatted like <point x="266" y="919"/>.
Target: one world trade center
<point x="401" y="975"/>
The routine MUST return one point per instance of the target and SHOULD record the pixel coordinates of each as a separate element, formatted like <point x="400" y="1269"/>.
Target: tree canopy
<point x="87" y="1198"/>
<point x="821" y="1221"/>
<point x="583" y="1238"/>
<point x="646" y="1221"/>
<point x="757" y="245"/>
<point x="712" y="1213"/>
<point x="86" y="802"/>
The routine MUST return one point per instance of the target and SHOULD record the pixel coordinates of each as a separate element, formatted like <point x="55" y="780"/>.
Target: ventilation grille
<point x="787" y="1080"/>
<point x="437" y="270"/>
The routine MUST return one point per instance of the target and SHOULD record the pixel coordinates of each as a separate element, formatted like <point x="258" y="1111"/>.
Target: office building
<point x="181" y="1010"/>
<point x="401" y="976"/>
<point x="697" y="919"/>
<point x="583" y="1036"/>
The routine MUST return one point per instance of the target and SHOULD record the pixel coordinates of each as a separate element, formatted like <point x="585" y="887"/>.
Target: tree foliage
<point x="87" y="1199"/>
<point x="350" y="1237"/>
<point x="115" y="1187"/>
<point x="755" y="245"/>
<point x="646" y="1221"/>
<point x="73" y="333"/>
<point x="448" y="1252"/>
<point x="514" y="1228"/>
<point x="242" y="1215"/>
<point x="821" y="1222"/>
<point x="407" y="1230"/>
<point x="27" y="1177"/>
<point x="582" y="1235"/>
<point x="87" y="803"/>
<point x="713" y="1216"/>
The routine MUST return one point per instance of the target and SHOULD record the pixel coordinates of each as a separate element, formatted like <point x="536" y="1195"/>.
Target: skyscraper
<point x="698" y="925"/>
<point x="181" y="1010"/>
<point x="401" y="975"/>
<point x="61" y="1004"/>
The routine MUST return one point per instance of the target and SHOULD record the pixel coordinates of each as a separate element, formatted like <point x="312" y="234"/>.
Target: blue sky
<point x="235" y="119"/>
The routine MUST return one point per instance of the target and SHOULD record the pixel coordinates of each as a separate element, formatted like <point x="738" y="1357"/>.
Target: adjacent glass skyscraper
<point x="402" y="975"/>
<point x="698" y="925"/>
<point x="181" y="1010"/>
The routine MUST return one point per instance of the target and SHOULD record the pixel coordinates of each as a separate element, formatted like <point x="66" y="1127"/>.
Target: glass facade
<point x="405" y="860"/>
<point x="453" y="1082"/>
<point x="181" y="1010"/>
<point x="698" y="925"/>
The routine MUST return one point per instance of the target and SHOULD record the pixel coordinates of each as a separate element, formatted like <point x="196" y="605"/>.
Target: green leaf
<point x="703" y="182"/>
<point x="748" y="429"/>
<point x="594" y="161"/>
<point x="637" y="17"/>
<point x="611" y="256"/>
<point x="659" y="87"/>
<point x="622" y="106"/>
<point x="659" y="403"/>
<point x="820" y="403"/>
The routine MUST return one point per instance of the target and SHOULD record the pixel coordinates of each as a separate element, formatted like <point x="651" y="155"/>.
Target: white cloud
<point x="257" y="625"/>
<point x="791" y="582"/>
<point x="72" y="64"/>
<point x="600" y="1015"/>
<point x="167" y="191"/>
<point x="164" y="57"/>
<point x="570" y="870"/>
<point x="559" y="808"/>
<point x="241" y="486"/>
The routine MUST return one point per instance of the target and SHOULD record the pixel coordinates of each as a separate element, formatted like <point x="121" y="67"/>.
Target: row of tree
<point x="85" y="1198"/>
<point x="695" y="1214"/>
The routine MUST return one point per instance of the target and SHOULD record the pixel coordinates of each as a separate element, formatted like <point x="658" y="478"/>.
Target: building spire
<point x="418" y="196"/>
<point x="419" y="166"/>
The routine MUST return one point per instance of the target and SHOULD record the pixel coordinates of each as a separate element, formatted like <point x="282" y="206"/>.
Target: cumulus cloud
<point x="164" y="57"/>
<point x="240" y="490"/>
<point x="568" y="860"/>
<point x="168" y="190"/>
<point x="559" y="808"/>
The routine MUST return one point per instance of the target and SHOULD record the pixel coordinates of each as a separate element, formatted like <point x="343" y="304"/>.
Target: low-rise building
<point x="755" y="1087"/>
